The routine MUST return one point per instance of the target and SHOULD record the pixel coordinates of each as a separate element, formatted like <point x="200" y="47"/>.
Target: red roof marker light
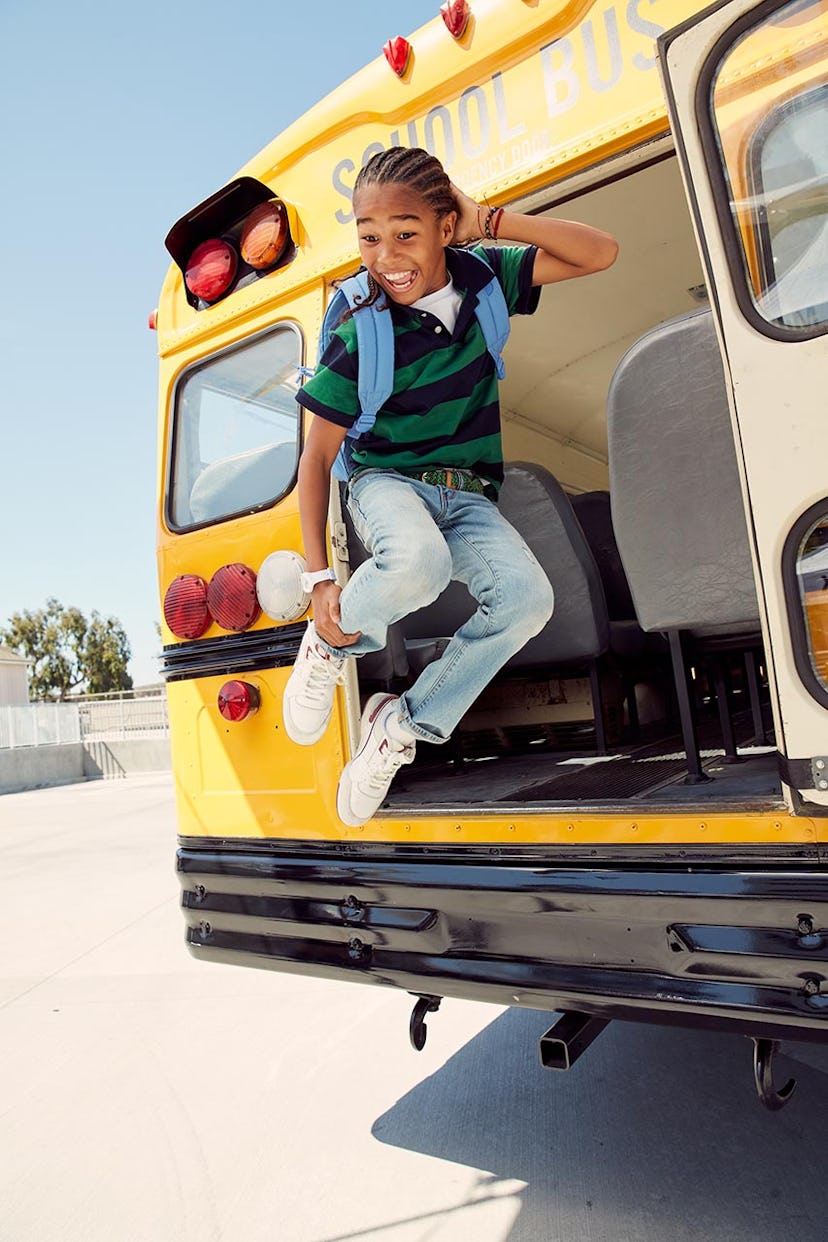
<point x="397" y="53"/>
<point x="456" y="14"/>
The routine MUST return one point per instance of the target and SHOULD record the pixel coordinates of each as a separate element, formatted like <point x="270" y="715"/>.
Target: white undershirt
<point x="444" y="305"/>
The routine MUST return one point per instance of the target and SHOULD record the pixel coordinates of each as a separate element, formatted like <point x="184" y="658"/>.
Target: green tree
<point x="68" y="652"/>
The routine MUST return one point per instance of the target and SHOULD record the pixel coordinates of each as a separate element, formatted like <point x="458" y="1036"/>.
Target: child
<point x="424" y="486"/>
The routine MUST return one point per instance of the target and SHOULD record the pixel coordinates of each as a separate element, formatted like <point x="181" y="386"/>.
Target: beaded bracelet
<point x="492" y="223"/>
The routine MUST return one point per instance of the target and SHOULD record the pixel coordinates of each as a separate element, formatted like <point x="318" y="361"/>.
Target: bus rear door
<point x="747" y="92"/>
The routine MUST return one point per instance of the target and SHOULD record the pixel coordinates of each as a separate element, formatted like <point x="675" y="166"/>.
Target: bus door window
<point x="770" y="116"/>
<point x="236" y="431"/>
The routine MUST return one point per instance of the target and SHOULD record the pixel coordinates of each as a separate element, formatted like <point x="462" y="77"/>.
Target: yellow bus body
<point x="535" y="104"/>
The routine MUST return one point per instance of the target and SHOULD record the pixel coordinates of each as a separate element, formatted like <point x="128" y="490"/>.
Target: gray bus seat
<point x="578" y="632"/>
<point x="676" y="498"/>
<point x="643" y="658"/>
<point x="243" y="481"/>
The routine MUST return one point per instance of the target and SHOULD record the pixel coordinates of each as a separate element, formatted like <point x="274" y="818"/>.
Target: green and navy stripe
<point x="444" y="409"/>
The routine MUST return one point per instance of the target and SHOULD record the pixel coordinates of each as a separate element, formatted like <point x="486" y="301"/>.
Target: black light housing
<point x="223" y="216"/>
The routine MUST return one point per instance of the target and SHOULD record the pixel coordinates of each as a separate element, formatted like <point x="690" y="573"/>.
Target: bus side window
<point x="773" y="143"/>
<point x="236" y="431"/>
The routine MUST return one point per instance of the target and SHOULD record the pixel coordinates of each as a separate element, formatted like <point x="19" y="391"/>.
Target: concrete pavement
<point x="145" y="1097"/>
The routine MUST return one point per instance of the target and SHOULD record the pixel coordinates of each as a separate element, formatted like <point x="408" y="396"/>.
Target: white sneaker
<point x="364" y="781"/>
<point x="309" y="694"/>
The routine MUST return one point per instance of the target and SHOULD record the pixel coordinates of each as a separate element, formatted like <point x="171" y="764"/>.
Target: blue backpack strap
<point x="375" y="358"/>
<point x="493" y="316"/>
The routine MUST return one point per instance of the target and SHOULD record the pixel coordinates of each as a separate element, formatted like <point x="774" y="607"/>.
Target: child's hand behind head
<point x="468" y="227"/>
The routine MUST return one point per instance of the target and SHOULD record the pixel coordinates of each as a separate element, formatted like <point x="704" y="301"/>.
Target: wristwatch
<point x="309" y="580"/>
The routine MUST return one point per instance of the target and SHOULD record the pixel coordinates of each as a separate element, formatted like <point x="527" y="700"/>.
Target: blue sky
<point x="115" y="120"/>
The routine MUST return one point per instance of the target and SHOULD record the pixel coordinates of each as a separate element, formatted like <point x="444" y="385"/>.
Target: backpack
<point x="375" y="348"/>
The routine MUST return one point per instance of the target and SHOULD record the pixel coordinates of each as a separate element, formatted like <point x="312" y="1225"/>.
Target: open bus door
<point x="747" y="93"/>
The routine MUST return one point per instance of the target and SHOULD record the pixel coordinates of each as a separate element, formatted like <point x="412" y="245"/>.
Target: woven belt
<point x="458" y="480"/>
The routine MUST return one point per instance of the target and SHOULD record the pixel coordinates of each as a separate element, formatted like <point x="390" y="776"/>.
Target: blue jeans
<point x="421" y="537"/>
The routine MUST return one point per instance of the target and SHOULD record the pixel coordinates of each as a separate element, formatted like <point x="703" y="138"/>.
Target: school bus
<point x="630" y="822"/>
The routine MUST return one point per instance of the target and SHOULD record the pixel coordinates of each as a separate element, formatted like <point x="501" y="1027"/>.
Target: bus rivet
<point x="352" y="909"/>
<point x="810" y="987"/>
<point x="702" y="827"/>
<point x="820" y="764"/>
<point x="570" y="827"/>
<point x="200" y="892"/>
<point x="635" y="827"/>
<point x="511" y="827"/>
<point x="804" y="924"/>
<point x="204" y="929"/>
<point x="358" y="951"/>
<point x="822" y="785"/>
<point x="457" y="828"/>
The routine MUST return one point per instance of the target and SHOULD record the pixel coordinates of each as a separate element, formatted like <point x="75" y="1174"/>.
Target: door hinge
<point x="340" y="542"/>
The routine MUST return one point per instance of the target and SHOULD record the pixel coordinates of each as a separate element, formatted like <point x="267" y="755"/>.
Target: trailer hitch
<point x="417" y="1032"/>
<point x="570" y="1036"/>
<point x="764" y="1051"/>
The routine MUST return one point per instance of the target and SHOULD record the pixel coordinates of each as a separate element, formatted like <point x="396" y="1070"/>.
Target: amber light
<point x="185" y="606"/>
<point x="211" y="269"/>
<point x="237" y="700"/>
<point x="264" y="235"/>
<point x="231" y="597"/>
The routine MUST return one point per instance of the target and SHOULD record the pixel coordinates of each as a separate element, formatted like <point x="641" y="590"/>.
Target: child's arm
<point x="318" y="456"/>
<point x="565" y="248"/>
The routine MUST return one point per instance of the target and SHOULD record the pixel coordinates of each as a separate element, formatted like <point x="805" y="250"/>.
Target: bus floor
<point x="538" y="770"/>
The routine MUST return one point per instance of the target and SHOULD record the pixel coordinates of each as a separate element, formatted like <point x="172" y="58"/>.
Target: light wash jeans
<point x="420" y="537"/>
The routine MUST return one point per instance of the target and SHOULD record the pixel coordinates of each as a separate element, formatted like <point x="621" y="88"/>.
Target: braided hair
<point x="419" y="171"/>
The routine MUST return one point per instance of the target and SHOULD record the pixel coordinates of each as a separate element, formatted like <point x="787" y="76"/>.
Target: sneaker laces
<point x="322" y="672"/>
<point x="385" y="762"/>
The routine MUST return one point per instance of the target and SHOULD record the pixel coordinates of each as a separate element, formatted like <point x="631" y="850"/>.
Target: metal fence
<point x="128" y="715"/>
<point x="92" y="718"/>
<point x="39" y="724"/>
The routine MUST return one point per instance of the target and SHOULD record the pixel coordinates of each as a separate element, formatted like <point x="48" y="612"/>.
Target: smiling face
<point x="402" y="242"/>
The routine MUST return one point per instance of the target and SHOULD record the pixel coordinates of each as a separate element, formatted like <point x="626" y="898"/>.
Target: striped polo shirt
<point x="444" y="409"/>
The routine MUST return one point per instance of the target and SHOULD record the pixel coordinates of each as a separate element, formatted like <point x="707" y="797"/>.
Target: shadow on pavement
<point x="655" y="1135"/>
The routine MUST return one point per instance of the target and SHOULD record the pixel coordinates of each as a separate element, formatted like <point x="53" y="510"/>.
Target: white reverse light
<point x="279" y="586"/>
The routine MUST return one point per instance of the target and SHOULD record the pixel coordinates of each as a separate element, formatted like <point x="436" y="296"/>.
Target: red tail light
<point x="237" y="700"/>
<point x="211" y="269"/>
<point x="264" y="235"/>
<point x="231" y="597"/>
<point x="185" y="606"/>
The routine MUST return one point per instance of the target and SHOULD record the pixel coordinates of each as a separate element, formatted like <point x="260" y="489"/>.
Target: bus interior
<point x="648" y="688"/>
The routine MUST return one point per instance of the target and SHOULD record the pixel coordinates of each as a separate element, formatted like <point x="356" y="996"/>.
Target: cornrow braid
<point x="421" y="172"/>
<point x="415" y="168"/>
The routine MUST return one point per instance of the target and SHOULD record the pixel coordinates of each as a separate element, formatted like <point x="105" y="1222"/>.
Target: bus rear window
<point x="236" y="431"/>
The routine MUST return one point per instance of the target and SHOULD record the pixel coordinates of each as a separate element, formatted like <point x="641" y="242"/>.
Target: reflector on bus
<point x="236" y="236"/>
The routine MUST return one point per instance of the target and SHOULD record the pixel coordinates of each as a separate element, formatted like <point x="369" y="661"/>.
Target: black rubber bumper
<point x="739" y="949"/>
